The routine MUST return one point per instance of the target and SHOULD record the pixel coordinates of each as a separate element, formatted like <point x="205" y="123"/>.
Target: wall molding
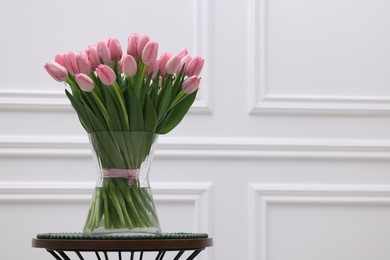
<point x="47" y="101"/>
<point x="261" y="101"/>
<point x="197" y="193"/>
<point x="40" y="101"/>
<point x="204" y="148"/>
<point x="261" y="196"/>
<point x="203" y="32"/>
<point x="331" y="105"/>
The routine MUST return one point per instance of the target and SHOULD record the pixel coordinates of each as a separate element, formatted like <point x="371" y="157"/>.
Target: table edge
<point x="111" y="244"/>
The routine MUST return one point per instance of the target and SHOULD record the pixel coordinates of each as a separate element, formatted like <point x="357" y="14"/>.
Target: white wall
<point x="285" y="154"/>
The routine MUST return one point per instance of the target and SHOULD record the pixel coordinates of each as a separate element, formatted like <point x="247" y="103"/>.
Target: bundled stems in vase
<point x="118" y="205"/>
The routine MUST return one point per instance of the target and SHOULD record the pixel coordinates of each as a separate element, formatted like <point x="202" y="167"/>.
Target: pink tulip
<point x="115" y="49"/>
<point x="129" y="66"/>
<point x="162" y="61"/>
<point x="84" y="82"/>
<point x="132" y="47"/>
<point x="93" y="56"/>
<point x="106" y="74"/>
<point x="184" y="62"/>
<point x="195" y="66"/>
<point x="83" y="63"/>
<point x="70" y="60"/>
<point x="152" y="70"/>
<point x="60" y="59"/>
<point x="182" y="53"/>
<point x="55" y="70"/>
<point x="173" y="65"/>
<point x="149" y="54"/>
<point x="143" y="40"/>
<point x="103" y="52"/>
<point x="191" y="84"/>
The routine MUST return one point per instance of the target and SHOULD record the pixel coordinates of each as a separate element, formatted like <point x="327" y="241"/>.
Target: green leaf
<point x="116" y="96"/>
<point x="153" y="90"/>
<point x="134" y="110"/>
<point x="108" y="149"/>
<point x="74" y="86"/>
<point x="97" y="125"/>
<point x="98" y="87"/>
<point x="113" y="112"/>
<point x="164" y="101"/>
<point x="82" y="115"/>
<point x="91" y="103"/>
<point x="139" y="78"/>
<point x="178" y="113"/>
<point x="150" y="116"/>
<point x="143" y="93"/>
<point x="127" y="83"/>
<point x="177" y="84"/>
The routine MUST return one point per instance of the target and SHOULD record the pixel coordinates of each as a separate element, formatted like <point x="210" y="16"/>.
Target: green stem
<point x="139" y="81"/>
<point x="149" y="202"/>
<point x="141" y="207"/>
<point x="102" y="107"/>
<point x="132" y="209"/>
<point x="91" y="213"/>
<point x="124" y="209"/>
<point x="131" y="82"/>
<point x="178" y="98"/>
<point x="121" y="100"/>
<point x="115" y="202"/>
<point x="107" y="219"/>
<point x="99" y="210"/>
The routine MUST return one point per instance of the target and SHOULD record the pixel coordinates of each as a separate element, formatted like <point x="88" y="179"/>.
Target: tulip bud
<point x="184" y="62"/>
<point x="129" y="66"/>
<point x="191" y="84"/>
<point x="132" y="47"/>
<point x="106" y="74"/>
<point x="195" y="66"/>
<point x="173" y="65"/>
<point x="162" y="61"/>
<point x="182" y="53"/>
<point x="103" y="52"/>
<point x="83" y="63"/>
<point x="70" y="60"/>
<point x="149" y="54"/>
<point x="93" y="56"/>
<point x="152" y="70"/>
<point x="115" y="49"/>
<point x="143" y="40"/>
<point x="60" y="59"/>
<point x="56" y="71"/>
<point x="85" y="83"/>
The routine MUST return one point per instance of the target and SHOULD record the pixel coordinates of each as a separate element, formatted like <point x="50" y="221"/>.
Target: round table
<point x="68" y="246"/>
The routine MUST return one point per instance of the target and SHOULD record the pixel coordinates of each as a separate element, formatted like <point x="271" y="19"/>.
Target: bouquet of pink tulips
<point x="113" y="93"/>
<point x="132" y="92"/>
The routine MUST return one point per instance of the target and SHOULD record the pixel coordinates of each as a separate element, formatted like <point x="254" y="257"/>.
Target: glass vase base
<point x="124" y="232"/>
<point x="121" y="209"/>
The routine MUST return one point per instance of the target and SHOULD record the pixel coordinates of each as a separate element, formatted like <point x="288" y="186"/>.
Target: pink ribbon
<point x="131" y="174"/>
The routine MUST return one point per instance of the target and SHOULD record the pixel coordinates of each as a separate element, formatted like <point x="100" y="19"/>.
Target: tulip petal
<point x="85" y="83"/>
<point x="56" y="71"/>
<point x="106" y="74"/>
<point x="149" y="54"/>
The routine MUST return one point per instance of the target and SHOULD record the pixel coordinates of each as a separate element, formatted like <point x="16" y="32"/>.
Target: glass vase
<point x="122" y="201"/>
